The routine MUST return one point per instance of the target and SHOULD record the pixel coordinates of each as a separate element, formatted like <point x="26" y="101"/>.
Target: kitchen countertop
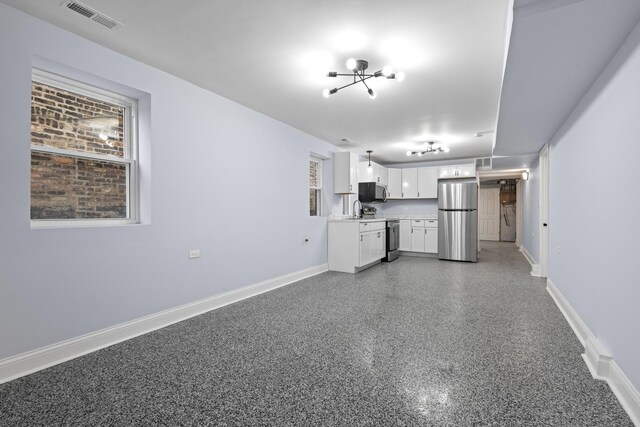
<point x="412" y="217"/>
<point x="380" y="219"/>
<point x="357" y="219"/>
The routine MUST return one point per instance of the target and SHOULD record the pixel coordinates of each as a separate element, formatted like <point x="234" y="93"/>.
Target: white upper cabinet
<point x="345" y="173"/>
<point x="394" y="187"/>
<point x="428" y="183"/>
<point x="375" y="173"/>
<point x="413" y="183"/>
<point x="366" y="173"/>
<point x="383" y="177"/>
<point x="410" y="183"/>
<point x="457" y="171"/>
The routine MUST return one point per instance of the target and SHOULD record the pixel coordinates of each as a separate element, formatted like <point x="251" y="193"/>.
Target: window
<point x="83" y="153"/>
<point x="315" y="186"/>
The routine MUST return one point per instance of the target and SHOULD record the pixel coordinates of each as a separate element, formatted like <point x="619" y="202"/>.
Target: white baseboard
<point x="36" y="360"/>
<point x="599" y="361"/>
<point x="576" y="323"/>
<point x="535" y="268"/>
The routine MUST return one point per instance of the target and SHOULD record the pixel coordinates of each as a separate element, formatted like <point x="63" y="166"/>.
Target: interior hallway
<point x="405" y="343"/>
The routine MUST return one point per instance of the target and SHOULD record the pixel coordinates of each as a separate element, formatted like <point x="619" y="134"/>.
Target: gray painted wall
<point x="216" y="176"/>
<point x="593" y="217"/>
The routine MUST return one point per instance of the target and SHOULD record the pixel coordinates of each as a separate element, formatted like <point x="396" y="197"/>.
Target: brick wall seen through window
<point x="315" y="187"/>
<point x="81" y="157"/>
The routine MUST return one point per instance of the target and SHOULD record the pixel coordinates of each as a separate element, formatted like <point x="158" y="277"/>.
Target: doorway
<point x="544" y="211"/>
<point x="489" y="214"/>
<point x="498" y="211"/>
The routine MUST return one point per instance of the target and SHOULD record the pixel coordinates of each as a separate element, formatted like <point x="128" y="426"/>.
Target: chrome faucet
<point x="356" y="214"/>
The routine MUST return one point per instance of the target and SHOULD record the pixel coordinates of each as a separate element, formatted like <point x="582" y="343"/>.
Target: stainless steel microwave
<point x="370" y="192"/>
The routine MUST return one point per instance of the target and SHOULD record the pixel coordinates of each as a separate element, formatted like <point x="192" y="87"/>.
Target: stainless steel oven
<point x="393" y="240"/>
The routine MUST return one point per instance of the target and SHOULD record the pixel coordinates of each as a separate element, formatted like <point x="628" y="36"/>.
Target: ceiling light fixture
<point x="358" y="68"/>
<point x="369" y="168"/>
<point x="482" y="133"/>
<point x="431" y="148"/>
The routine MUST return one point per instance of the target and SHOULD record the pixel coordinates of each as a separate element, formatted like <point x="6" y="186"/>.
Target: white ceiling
<point x="272" y="56"/>
<point x="557" y="50"/>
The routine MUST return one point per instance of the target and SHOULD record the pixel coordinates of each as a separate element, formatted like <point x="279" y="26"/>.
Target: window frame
<point x="318" y="188"/>
<point x="130" y="149"/>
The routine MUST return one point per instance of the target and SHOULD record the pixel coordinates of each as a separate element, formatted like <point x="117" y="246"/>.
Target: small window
<point x="83" y="153"/>
<point x="315" y="186"/>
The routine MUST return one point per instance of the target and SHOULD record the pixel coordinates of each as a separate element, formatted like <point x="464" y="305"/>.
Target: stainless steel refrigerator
<point x="458" y="219"/>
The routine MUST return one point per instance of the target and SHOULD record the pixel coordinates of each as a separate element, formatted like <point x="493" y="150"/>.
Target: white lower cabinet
<point x="405" y="235"/>
<point x="372" y="245"/>
<point x="431" y="240"/>
<point x="419" y="235"/>
<point x="417" y="239"/>
<point x="355" y="244"/>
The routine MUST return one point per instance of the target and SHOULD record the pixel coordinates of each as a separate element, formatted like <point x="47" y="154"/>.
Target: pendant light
<point x="369" y="168"/>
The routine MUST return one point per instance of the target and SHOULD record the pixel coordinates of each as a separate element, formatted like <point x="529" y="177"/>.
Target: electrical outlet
<point x="558" y="250"/>
<point x="194" y="253"/>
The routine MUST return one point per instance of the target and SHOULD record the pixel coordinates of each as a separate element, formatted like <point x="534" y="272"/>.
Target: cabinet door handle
<point x="418" y="194"/>
<point x="425" y="231"/>
<point x="361" y="237"/>
<point x="350" y="187"/>
<point x="412" y="231"/>
<point x="378" y="234"/>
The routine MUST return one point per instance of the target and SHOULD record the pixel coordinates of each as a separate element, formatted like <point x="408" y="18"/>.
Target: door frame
<point x="518" y="212"/>
<point x="544" y="211"/>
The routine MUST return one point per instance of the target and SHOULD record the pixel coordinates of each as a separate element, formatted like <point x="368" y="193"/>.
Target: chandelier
<point x="431" y="148"/>
<point x="358" y="68"/>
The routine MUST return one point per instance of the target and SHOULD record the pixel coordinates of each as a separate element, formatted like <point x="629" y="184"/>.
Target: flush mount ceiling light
<point x="358" y="68"/>
<point x="431" y="148"/>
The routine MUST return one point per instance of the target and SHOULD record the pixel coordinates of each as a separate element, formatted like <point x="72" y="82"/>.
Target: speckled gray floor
<point x="414" y="342"/>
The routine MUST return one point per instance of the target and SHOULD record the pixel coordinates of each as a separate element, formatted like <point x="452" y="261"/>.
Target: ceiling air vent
<point x="484" y="164"/>
<point x="92" y="14"/>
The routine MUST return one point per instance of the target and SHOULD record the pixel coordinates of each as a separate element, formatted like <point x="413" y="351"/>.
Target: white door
<point x="489" y="214"/>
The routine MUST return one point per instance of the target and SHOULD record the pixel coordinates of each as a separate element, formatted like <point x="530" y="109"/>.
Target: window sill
<point x="48" y="224"/>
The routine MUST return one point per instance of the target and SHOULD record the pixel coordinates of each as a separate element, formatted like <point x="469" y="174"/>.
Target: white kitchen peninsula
<point x="356" y="244"/>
